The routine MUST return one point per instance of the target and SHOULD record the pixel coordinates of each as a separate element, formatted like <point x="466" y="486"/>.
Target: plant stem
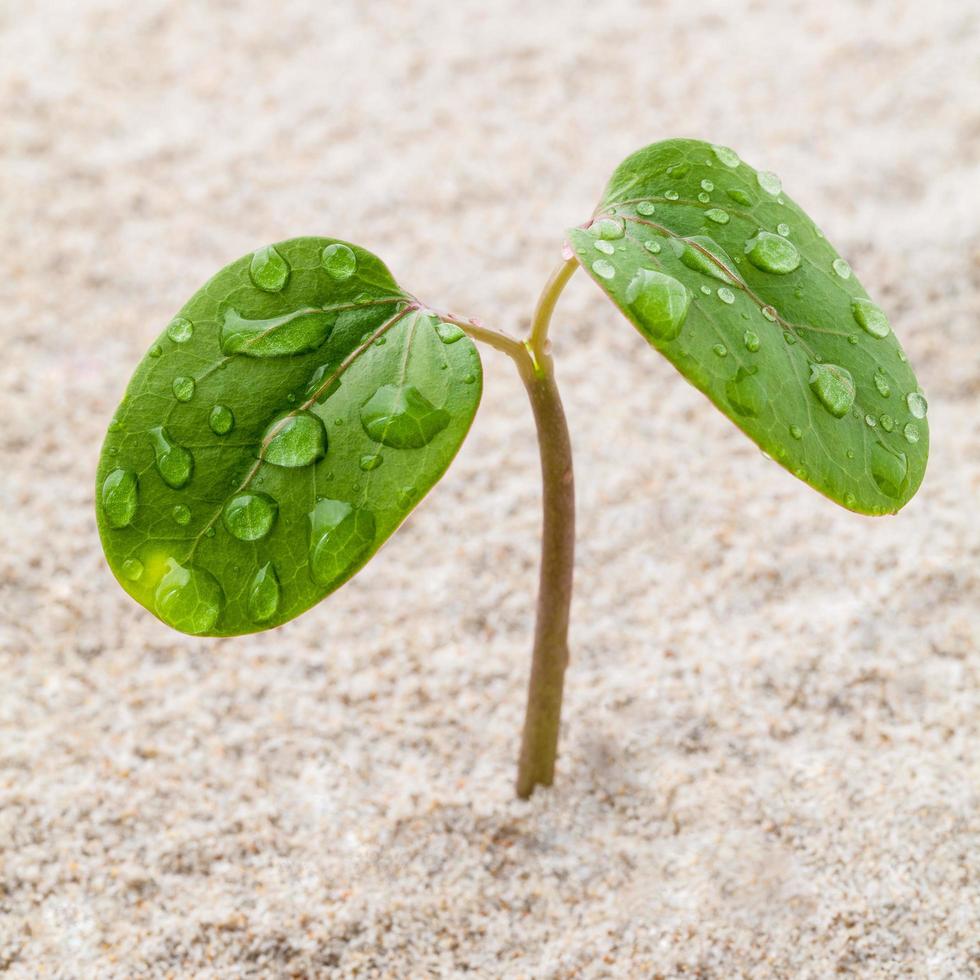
<point x="539" y="743"/>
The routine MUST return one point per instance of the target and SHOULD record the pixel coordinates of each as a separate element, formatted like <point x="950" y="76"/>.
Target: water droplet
<point x="717" y="215"/>
<point x="181" y="514"/>
<point x="739" y="197"/>
<point x="297" y="439"/>
<point x="448" y="333"/>
<point x="917" y="404"/>
<point x="120" y="497"/>
<point x="340" y="261"/>
<point x="887" y="422"/>
<point x="706" y="290"/>
<point x="604" y="268"/>
<point x="678" y="169"/>
<point x="468" y="379"/>
<point x="721" y="350"/>
<point x="841" y="268"/>
<point x="210" y="532"/>
<point x="772" y="253"/>
<point x="851" y="339"/>
<point x="870" y="421"/>
<point x="221" y="420"/>
<point x="796" y="432"/>
<point x="671" y="195"/>
<point x="901" y="355"/>
<point x="652" y="246"/>
<point x="381" y="341"/>
<point x="340" y="536"/>
<point x="132" y="569"/>
<point x="156" y="350"/>
<point x="783" y="229"/>
<point x="189" y="599"/>
<point x="707" y="185"/>
<point x="745" y="392"/>
<point x="889" y="468"/>
<point x="645" y="208"/>
<point x="315" y="386"/>
<point x="911" y="432"/>
<point x="769" y="182"/>
<point x="371" y="461"/>
<point x="769" y="312"/>
<point x="279" y="336"/>
<point x="264" y="594"/>
<point x="115" y="425"/>
<point x="751" y="339"/>
<point x="659" y="303"/>
<point x="174" y="463"/>
<point x="402" y="417"/>
<point x="789" y="337"/>
<point x="704" y="198"/>
<point x="728" y="157"/>
<point x="608" y="229"/>
<point x="705" y="255"/>
<point x="881" y="383"/>
<point x="872" y="318"/>
<point x="250" y="516"/>
<point x="850" y="454"/>
<point x="180" y="330"/>
<point x="183" y="388"/>
<point x="726" y="295"/>
<point x="605" y="247"/>
<point x="834" y="387"/>
<point x="268" y="269"/>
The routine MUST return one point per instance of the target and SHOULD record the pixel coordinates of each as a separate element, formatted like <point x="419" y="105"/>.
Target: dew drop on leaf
<point x="607" y="248"/>
<point x="881" y="384"/>
<point x="339" y="535"/>
<point x="221" y="420"/>
<point x="156" y="350"/>
<point x="718" y="215"/>
<point x="720" y="350"/>
<point x="917" y="404"/>
<point x="728" y="157"/>
<point x="772" y="253"/>
<point x="183" y="388"/>
<point x="180" y="330"/>
<point x="315" y="386"/>
<point x="646" y="208"/>
<point x="769" y="312"/>
<point x="604" y="268"/>
<point x="120" y="497"/>
<point x="889" y="468"/>
<point x="659" y="303"/>
<point x="250" y="516"/>
<point x="769" y="182"/>
<point x="181" y="514"/>
<point x="910" y="432"/>
<point x="783" y="229"/>
<point x="268" y="270"/>
<point x="370" y="461"/>
<point x="871" y="317"/>
<point x="751" y="339"/>
<point x="887" y="422"/>
<point x="796" y="432"/>
<point x="448" y="333"/>
<point x="402" y="417"/>
<point x="834" y="387"/>
<point x="340" y="261"/>
<point x="707" y="185"/>
<point x="281" y="336"/>
<point x="609" y="229"/>
<point x="705" y="255"/>
<point x="132" y="569"/>
<point x="739" y="197"/>
<point x="264" y="594"/>
<point x="189" y="599"/>
<point x="652" y="246"/>
<point x="294" y="440"/>
<point x="745" y="392"/>
<point x="841" y="268"/>
<point x="671" y="195"/>
<point x="726" y="295"/>
<point x="174" y="463"/>
<point x="870" y="421"/>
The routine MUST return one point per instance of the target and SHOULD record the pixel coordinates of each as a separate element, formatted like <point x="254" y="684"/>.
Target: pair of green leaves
<point x="301" y="403"/>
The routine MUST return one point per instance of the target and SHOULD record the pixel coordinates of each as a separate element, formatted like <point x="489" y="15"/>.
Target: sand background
<point x="771" y="762"/>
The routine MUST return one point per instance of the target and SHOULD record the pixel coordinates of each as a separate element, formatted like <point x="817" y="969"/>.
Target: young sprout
<point x="301" y="403"/>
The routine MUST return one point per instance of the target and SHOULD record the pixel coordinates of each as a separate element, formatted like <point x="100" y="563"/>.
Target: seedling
<point x="301" y="403"/>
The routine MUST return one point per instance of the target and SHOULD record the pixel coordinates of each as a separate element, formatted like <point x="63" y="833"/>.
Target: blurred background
<point x="769" y="761"/>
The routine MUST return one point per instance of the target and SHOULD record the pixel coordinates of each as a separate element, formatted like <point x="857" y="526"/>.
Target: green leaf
<point x="279" y="430"/>
<point x="727" y="277"/>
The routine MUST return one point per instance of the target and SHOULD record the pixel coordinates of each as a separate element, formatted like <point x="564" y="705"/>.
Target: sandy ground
<point x="770" y="763"/>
